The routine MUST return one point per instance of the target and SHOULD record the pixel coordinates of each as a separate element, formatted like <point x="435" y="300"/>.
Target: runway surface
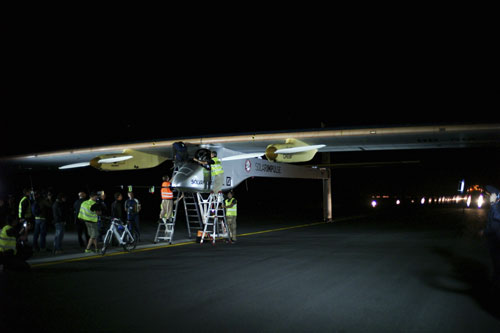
<point x="397" y="271"/>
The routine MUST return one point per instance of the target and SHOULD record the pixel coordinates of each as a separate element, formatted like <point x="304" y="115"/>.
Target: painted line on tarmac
<point x="151" y="248"/>
<point x="110" y="254"/>
<point x="280" y="229"/>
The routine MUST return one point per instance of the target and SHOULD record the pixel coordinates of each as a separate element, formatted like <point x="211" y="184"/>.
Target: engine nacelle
<point x="289" y="158"/>
<point x="139" y="160"/>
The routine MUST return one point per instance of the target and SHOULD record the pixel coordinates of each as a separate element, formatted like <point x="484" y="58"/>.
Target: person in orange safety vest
<point x="167" y="197"/>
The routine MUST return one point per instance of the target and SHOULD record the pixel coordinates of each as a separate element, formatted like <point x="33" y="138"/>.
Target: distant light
<point x="461" y="186"/>
<point x="422" y="201"/>
<point x="480" y="201"/>
<point x="469" y="199"/>
<point x="398" y="202"/>
<point x="374" y="203"/>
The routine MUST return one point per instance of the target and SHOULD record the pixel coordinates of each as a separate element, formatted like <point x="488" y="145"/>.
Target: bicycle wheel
<point x="129" y="241"/>
<point x="107" y="242"/>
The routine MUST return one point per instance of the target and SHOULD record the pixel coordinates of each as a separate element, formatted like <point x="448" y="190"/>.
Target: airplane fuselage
<point x="192" y="177"/>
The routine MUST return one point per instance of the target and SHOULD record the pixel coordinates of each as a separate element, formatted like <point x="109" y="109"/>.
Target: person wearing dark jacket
<point x="81" y="228"/>
<point x="42" y="210"/>
<point x="117" y="209"/>
<point x="61" y="215"/>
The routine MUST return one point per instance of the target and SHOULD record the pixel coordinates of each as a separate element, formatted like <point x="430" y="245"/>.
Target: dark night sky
<point x="78" y="84"/>
<point x="71" y="85"/>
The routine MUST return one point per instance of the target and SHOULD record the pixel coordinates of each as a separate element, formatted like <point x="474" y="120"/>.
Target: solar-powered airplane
<point x="266" y="154"/>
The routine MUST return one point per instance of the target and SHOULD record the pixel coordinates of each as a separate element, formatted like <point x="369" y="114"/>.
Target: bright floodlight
<point x="480" y="201"/>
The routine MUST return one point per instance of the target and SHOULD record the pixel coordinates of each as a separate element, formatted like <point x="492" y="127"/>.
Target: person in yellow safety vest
<point x="10" y="256"/>
<point x="89" y="210"/>
<point x="25" y="207"/>
<point x="8" y="239"/>
<point x="231" y="212"/>
<point x="217" y="171"/>
<point x="25" y="212"/>
<point x="167" y="197"/>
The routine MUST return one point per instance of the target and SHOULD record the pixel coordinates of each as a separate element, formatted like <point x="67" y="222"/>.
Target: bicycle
<point x="125" y="239"/>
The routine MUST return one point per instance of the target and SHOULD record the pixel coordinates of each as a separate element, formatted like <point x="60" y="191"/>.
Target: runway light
<point x="374" y="204"/>
<point x="422" y="201"/>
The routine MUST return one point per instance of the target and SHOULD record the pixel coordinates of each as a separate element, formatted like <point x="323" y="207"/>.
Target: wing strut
<point x="327" y="192"/>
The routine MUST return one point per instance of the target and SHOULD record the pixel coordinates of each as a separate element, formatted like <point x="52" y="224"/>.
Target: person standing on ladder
<point x="230" y="204"/>
<point x="217" y="171"/>
<point x="167" y="197"/>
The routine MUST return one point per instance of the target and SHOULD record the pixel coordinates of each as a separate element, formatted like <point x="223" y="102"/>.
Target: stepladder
<point x="214" y="218"/>
<point x="166" y="226"/>
<point x="194" y="220"/>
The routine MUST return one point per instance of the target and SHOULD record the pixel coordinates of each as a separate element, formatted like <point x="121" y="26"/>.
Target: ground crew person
<point x="231" y="212"/>
<point x="133" y="207"/>
<point x="217" y="171"/>
<point x="10" y="256"/>
<point x="89" y="212"/>
<point x="41" y="208"/>
<point x="8" y="238"/>
<point x="25" y="207"/>
<point x="167" y="197"/>
<point x="81" y="228"/>
<point x="492" y="234"/>
<point x="25" y="213"/>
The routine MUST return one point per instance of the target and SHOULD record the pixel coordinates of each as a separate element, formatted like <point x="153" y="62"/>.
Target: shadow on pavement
<point x="466" y="276"/>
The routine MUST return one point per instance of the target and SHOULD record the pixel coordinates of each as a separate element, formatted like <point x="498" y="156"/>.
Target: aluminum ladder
<point x="214" y="217"/>
<point x="194" y="220"/>
<point x="165" y="230"/>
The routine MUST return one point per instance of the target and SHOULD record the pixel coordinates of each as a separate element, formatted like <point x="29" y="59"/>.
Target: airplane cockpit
<point x="188" y="175"/>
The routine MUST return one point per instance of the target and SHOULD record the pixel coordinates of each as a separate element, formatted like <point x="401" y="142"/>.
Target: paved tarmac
<point x="399" y="271"/>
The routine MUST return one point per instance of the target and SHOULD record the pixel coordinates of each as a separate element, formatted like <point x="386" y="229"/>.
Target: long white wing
<point x="331" y="140"/>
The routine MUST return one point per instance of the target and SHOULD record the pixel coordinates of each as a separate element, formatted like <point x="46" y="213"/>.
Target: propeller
<point x="115" y="159"/>
<point x="74" y="165"/>
<point x="242" y="156"/>
<point x="273" y="150"/>
<point x="295" y="150"/>
<point x="103" y="160"/>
